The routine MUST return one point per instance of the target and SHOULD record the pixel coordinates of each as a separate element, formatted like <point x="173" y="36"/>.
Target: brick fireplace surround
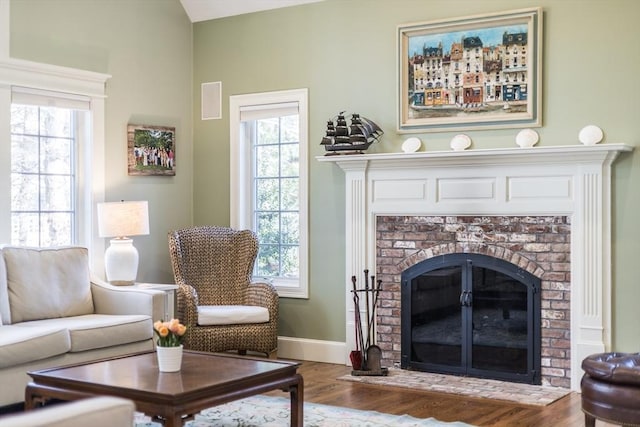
<point x="540" y="245"/>
<point x="546" y="209"/>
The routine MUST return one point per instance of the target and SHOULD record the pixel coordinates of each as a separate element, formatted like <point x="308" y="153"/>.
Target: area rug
<point x="268" y="411"/>
<point x="525" y="394"/>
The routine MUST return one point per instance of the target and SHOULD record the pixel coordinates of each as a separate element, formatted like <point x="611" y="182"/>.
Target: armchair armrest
<point x="264" y="294"/>
<point x="109" y="299"/>
<point x="187" y="307"/>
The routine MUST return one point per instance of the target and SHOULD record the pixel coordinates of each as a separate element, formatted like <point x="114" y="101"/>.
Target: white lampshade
<point x="121" y="220"/>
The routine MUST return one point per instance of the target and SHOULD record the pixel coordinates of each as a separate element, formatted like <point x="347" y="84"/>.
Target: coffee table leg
<point x="297" y="402"/>
<point x="173" y="421"/>
<point x="30" y="397"/>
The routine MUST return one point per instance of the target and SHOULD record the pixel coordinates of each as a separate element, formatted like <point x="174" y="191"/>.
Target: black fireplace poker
<point x="366" y="359"/>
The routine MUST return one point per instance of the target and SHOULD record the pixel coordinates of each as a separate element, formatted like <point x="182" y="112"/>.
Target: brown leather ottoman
<point x="611" y="388"/>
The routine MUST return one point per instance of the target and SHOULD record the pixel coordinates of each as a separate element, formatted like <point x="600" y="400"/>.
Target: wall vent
<point x="211" y="103"/>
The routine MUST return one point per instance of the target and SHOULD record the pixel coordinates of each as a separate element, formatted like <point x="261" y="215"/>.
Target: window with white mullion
<point x="277" y="258"/>
<point x="268" y="134"/>
<point x="43" y="175"/>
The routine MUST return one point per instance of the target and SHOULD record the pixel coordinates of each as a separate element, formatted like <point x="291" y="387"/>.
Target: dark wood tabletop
<point x="205" y="380"/>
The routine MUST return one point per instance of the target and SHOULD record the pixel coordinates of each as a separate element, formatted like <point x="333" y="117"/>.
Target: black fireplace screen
<point x="471" y="314"/>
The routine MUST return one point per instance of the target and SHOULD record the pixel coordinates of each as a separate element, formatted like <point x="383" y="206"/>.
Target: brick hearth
<point x="539" y="244"/>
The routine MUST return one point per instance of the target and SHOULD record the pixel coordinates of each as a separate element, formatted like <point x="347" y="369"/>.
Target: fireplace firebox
<point x="471" y="314"/>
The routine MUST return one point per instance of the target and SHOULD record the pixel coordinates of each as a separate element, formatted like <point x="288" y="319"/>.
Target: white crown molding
<point x="19" y="72"/>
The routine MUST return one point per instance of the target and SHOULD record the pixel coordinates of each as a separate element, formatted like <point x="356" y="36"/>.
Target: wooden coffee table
<point x="205" y="380"/>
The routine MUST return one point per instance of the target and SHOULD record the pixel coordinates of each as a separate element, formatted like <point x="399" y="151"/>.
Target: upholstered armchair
<point x="223" y="309"/>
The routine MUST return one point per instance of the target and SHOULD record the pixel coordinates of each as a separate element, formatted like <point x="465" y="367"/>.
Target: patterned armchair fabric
<point x="213" y="266"/>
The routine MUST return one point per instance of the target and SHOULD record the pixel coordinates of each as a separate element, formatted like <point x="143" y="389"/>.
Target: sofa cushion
<point x="95" y="331"/>
<point x="28" y="342"/>
<point x="231" y="314"/>
<point x="5" y="314"/>
<point x="47" y="283"/>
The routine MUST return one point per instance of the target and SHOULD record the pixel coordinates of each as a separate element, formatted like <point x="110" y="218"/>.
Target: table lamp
<point x="122" y="220"/>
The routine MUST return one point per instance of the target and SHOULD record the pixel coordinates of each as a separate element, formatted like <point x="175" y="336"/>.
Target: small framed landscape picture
<point x="151" y="150"/>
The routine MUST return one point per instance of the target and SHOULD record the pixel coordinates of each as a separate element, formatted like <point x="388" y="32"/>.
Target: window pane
<point x="267" y="160"/>
<point x="55" y="121"/>
<point x="290" y="128"/>
<point x="290" y="194"/>
<point x="290" y="160"/>
<point x="24" y="154"/>
<point x="290" y="262"/>
<point x="268" y="131"/>
<point x="55" y="229"/>
<point x="24" y="192"/>
<point x="268" y="229"/>
<point x="268" y="264"/>
<point x="55" y="155"/>
<point x="267" y="197"/>
<point x="24" y="229"/>
<point x="24" y="119"/>
<point x="55" y="193"/>
<point x="290" y="228"/>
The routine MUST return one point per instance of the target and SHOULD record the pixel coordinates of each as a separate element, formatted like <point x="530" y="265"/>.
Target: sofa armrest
<point x="103" y="411"/>
<point x="109" y="299"/>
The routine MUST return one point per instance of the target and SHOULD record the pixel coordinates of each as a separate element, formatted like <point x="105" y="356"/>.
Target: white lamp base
<point x="121" y="262"/>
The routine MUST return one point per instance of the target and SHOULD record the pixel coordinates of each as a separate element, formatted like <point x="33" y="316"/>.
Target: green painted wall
<point x="344" y="51"/>
<point x="146" y="45"/>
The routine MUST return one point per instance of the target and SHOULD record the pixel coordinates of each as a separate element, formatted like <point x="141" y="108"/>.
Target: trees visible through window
<point x="276" y="194"/>
<point x="43" y="175"/>
<point x="269" y="175"/>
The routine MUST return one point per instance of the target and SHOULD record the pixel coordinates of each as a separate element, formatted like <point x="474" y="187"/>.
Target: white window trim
<point x="34" y="75"/>
<point x="4" y="29"/>
<point x="239" y="195"/>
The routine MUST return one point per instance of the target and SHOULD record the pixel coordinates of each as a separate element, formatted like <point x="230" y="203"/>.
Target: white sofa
<point x="52" y="313"/>
<point x="101" y="411"/>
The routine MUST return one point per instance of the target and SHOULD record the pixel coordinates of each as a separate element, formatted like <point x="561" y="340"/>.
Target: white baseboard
<point x="312" y="350"/>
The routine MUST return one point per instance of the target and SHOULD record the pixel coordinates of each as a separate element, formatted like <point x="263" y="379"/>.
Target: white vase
<point x="169" y="358"/>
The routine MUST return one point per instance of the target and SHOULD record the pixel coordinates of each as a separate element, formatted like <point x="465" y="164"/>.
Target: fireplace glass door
<point x="471" y="314"/>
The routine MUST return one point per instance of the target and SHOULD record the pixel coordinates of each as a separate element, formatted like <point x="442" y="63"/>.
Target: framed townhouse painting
<point x="479" y="72"/>
<point x="151" y="150"/>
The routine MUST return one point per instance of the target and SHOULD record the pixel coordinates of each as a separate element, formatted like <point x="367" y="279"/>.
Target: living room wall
<point x="344" y="52"/>
<point x="146" y="46"/>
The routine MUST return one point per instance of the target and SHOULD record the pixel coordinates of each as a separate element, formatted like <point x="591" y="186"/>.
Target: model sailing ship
<point x="350" y="139"/>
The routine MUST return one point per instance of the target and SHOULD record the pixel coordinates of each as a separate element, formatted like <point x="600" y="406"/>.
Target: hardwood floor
<point x="321" y="386"/>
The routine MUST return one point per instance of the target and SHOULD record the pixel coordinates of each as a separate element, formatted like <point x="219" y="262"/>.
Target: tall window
<point x="269" y="183"/>
<point x="276" y="171"/>
<point x="43" y="175"/>
<point x="52" y="164"/>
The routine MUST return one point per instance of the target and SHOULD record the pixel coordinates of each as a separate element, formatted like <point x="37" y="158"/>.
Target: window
<point x="44" y="187"/>
<point x="52" y="165"/>
<point x="269" y="183"/>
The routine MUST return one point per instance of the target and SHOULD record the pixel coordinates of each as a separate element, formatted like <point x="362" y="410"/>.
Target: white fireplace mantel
<point x="561" y="180"/>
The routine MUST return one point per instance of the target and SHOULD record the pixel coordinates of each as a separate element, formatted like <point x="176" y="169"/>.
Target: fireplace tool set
<point x="366" y="358"/>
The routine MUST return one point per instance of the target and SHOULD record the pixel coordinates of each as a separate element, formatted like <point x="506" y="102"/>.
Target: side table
<point x="169" y="296"/>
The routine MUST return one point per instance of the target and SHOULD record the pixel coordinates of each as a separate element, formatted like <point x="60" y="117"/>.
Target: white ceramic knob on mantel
<point x="527" y="138"/>
<point x="460" y="142"/>
<point x="590" y="135"/>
